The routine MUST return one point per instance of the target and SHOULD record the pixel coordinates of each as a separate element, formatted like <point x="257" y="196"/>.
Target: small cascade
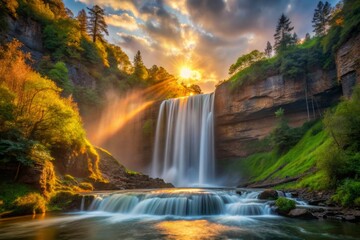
<point x="182" y="202"/>
<point x="82" y="205"/>
<point x="184" y="141"/>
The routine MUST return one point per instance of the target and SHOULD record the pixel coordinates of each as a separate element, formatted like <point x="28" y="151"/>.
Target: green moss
<point x="63" y="200"/>
<point x="130" y="172"/>
<point x="285" y="205"/>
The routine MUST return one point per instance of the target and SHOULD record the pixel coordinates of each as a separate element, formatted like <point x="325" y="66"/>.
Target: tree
<point x="60" y="74"/>
<point x="268" y="49"/>
<point x="283" y="37"/>
<point x="82" y="18"/>
<point x="246" y="60"/>
<point x="321" y="19"/>
<point x="140" y="70"/>
<point x="295" y="38"/>
<point x="307" y="37"/>
<point x="96" y="24"/>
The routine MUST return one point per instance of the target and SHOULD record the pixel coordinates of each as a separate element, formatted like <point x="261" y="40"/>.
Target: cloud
<point x="207" y="35"/>
<point x="124" y="5"/>
<point x="124" y="21"/>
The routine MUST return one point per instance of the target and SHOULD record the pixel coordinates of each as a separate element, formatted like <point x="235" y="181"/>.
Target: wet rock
<point x="268" y="194"/>
<point x="300" y="213"/>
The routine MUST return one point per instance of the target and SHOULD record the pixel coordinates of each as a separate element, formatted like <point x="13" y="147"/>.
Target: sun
<point x="185" y="72"/>
<point x="189" y="73"/>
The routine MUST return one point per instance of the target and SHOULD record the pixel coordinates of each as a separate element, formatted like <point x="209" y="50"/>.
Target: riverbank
<point x="166" y="213"/>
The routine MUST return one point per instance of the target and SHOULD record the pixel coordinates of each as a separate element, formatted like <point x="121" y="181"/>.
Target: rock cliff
<point x="246" y="114"/>
<point x="348" y="64"/>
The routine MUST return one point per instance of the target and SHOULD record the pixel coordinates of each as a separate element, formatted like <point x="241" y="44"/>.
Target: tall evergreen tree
<point x="321" y="18"/>
<point x="307" y="37"/>
<point x="82" y="18"/>
<point x="283" y="37"/>
<point x="140" y="70"/>
<point x="96" y="24"/>
<point x="295" y="38"/>
<point x="268" y="50"/>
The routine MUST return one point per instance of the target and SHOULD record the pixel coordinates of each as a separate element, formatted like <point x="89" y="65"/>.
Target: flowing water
<point x="175" y="214"/>
<point x="184" y="141"/>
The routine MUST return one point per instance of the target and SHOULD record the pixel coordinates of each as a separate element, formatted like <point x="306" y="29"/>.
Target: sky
<point x="197" y="39"/>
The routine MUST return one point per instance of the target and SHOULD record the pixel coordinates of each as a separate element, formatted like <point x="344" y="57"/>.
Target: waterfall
<point x="184" y="141"/>
<point x="182" y="202"/>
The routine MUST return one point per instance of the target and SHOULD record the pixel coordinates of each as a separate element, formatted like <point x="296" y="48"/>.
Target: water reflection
<point x="197" y="229"/>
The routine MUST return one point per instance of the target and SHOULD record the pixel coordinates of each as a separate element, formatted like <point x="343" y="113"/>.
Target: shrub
<point x="31" y="203"/>
<point x="285" y="205"/>
<point x="60" y="74"/>
<point x="348" y="193"/>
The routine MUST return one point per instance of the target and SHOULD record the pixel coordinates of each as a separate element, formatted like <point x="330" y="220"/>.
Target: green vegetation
<point x="60" y="74"/>
<point x="326" y="156"/>
<point x="10" y="192"/>
<point x="285" y="205"/>
<point x="297" y="59"/>
<point x="340" y="162"/>
<point x="283" y="137"/>
<point x="299" y="159"/>
<point x="348" y="193"/>
<point x="283" y="37"/>
<point x="79" y="59"/>
<point x="246" y="60"/>
<point x="36" y="124"/>
<point x="321" y="19"/>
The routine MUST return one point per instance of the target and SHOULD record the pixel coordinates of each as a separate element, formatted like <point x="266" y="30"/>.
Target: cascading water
<point x="182" y="202"/>
<point x="184" y="141"/>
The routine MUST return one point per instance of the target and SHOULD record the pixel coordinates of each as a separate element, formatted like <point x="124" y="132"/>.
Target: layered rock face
<point x="348" y="64"/>
<point x="246" y="114"/>
<point x="120" y="178"/>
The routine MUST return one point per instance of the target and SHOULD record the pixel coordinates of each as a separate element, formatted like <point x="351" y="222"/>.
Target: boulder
<point x="268" y="194"/>
<point x="300" y="213"/>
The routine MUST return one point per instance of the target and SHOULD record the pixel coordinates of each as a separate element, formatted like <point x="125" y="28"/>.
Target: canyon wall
<point x="246" y="114"/>
<point x="348" y="64"/>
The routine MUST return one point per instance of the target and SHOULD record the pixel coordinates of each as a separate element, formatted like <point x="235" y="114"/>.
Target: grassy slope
<point x="301" y="159"/>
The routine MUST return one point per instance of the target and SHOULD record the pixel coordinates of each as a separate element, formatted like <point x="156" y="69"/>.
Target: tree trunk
<point x="306" y="98"/>
<point x="17" y="172"/>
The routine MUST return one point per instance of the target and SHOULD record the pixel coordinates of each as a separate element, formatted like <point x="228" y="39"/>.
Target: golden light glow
<point x="185" y="72"/>
<point x="188" y="73"/>
<point x="197" y="229"/>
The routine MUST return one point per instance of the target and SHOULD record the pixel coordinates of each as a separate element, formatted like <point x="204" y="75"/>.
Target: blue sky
<point x="206" y="36"/>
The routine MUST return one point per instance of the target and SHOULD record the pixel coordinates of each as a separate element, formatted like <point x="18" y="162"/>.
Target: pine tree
<point x="321" y="18"/>
<point x="96" y="24"/>
<point x="268" y="50"/>
<point x="140" y="70"/>
<point x="282" y="35"/>
<point x="307" y="37"/>
<point x="82" y="18"/>
<point x="295" y="38"/>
